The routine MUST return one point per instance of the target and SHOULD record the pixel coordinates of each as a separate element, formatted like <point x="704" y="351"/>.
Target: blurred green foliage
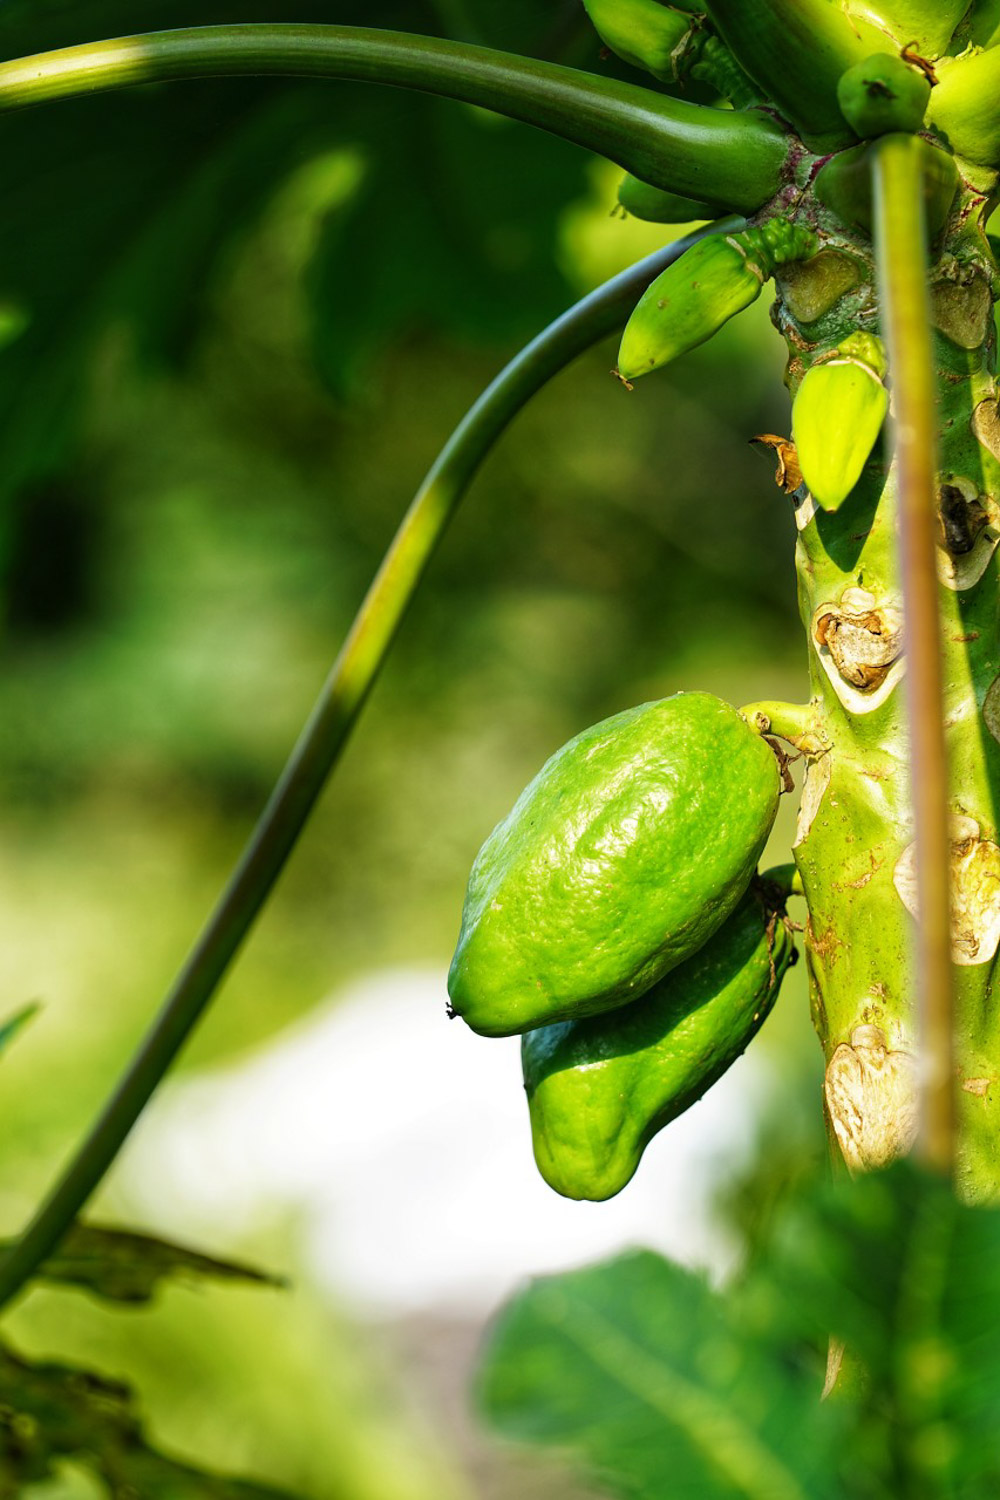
<point x="121" y="1266"/>
<point x="252" y="311"/>
<point x="661" y="1386"/>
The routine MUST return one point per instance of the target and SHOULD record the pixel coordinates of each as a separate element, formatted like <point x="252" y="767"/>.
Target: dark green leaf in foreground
<point x="636" y="1369"/>
<point x="51" y="1412"/>
<point x="13" y="1024"/>
<point x="910" y="1279"/>
<point x="126" y="1267"/>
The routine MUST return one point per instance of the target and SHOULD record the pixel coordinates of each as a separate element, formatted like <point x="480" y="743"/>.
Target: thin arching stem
<point x="719" y="156"/>
<point x="901" y="255"/>
<point x="320" y="745"/>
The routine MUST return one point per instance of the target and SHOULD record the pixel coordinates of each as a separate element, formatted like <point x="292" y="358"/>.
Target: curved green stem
<point x="721" y="155"/>
<point x="322" y="741"/>
<point x="901" y="259"/>
<point x="794" y="722"/>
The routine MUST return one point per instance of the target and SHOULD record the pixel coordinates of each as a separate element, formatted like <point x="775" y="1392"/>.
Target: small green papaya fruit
<point x="837" y="416"/>
<point x="600" y="1089"/>
<point x="625" y="853"/>
<point x="717" y="278"/>
<point x="883" y="94"/>
<point x="641" y="32"/>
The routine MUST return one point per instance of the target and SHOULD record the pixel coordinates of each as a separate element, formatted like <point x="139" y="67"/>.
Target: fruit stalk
<point x="901" y="257"/>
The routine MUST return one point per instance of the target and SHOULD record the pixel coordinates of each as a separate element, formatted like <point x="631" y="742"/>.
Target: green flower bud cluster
<point x="837" y="416"/>
<point x="691" y="300"/>
<point x="606" y="899"/>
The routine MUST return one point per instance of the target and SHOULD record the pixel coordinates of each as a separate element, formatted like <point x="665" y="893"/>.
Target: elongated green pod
<point x="686" y="148"/>
<point x="625" y="853"/>
<point x="964" y="109"/>
<point x="714" y="280"/>
<point x="837" y="416"/>
<point x="796" y="51"/>
<point x="599" y="1090"/>
<point x="642" y="32"/>
<point x="844" y="184"/>
<point x="883" y="94"/>
<point x="656" y="206"/>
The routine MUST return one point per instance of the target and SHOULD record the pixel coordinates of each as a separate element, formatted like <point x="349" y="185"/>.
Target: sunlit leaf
<point x="126" y="1267"/>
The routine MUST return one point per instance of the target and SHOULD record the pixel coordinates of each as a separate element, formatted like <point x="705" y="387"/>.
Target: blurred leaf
<point x="50" y="1412"/>
<point x="120" y="207"/>
<point x="127" y="1267"/>
<point x="910" y="1278"/>
<point x="10" y="1027"/>
<point x="636" y="1368"/>
<point x="454" y="227"/>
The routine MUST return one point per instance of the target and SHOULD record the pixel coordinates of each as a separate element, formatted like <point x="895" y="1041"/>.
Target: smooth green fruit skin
<point x="599" y="1090"/>
<point x="837" y="416"/>
<point x="687" y="304"/>
<point x="628" y="850"/>
<point x="883" y="94"/>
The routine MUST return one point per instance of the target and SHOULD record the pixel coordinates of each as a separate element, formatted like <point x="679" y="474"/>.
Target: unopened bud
<point x="717" y="278"/>
<point x="837" y="416"/>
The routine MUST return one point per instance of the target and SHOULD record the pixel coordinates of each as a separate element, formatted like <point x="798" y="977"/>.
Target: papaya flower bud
<point x="837" y="416"/>
<point x="717" y="278"/>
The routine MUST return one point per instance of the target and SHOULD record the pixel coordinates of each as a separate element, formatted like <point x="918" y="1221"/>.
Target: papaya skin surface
<point x="625" y="853"/>
<point x="600" y="1089"/>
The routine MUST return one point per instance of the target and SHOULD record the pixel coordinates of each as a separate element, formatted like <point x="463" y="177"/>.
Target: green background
<point x="254" y="312"/>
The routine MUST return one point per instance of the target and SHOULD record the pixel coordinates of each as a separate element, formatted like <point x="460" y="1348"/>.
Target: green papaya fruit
<point x="600" y="1089"/>
<point x="625" y="853"/>
<point x="883" y="94"/>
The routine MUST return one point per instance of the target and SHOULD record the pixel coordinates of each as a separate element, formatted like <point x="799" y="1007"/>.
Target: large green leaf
<point x="51" y="1412"/>
<point x="635" y="1367"/>
<point x="120" y="210"/>
<point x="123" y="1266"/>
<point x="909" y="1278"/>
<point x="453" y="228"/>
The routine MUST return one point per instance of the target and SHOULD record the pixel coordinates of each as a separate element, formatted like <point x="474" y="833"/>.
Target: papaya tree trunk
<point x="855" y="838"/>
